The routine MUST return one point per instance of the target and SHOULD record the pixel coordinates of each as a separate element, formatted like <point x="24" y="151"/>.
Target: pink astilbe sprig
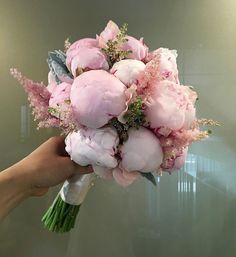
<point x="175" y="146"/>
<point x="182" y="138"/>
<point x="173" y="158"/>
<point x="161" y="65"/>
<point x="148" y="78"/>
<point x="38" y="96"/>
<point x="67" y="120"/>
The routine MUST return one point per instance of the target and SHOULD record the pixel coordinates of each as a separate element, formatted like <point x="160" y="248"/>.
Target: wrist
<point x="26" y="174"/>
<point x="13" y="190"/>
<point x="17" y="180"/>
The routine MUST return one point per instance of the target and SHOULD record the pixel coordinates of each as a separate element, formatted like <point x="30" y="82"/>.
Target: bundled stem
<point x="61" y="216"/>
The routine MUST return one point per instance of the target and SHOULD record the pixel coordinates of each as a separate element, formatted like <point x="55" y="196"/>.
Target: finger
<point x="83" y="169"/>
<point x="56" y="145"/>
<point x="75" y="168"/>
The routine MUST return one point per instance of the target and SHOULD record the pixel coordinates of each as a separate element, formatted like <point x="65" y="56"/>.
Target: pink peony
<point x="123" y="177"/>
<point x="162" y="131"/>
<point x="128" y="70"/>
<point x="109" y="33"/>
<point x="167" y="66"/>
<point x="86" y="58"/>
<point x="190" y="114"/>
<point x="192" y="95"/>
<point x="170" y="106"/>
<point x="85" y="42"/>
<point x="141" y="152"/>
<point x="93" y="147"/>
<point x="138" y="49"/>
<point x="60" y="98"/>
<point x="97" y="97"/>
<point x="180" y="160"/>
<point x="130" y="94"/>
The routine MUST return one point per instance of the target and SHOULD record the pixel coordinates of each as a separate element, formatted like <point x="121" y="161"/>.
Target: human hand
<point x="47" y="166"/>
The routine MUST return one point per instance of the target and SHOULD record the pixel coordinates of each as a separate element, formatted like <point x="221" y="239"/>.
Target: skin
<point x="47" y="166"/>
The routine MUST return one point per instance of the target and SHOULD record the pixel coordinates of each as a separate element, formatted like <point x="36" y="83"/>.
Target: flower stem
<point x="61" y="216"/>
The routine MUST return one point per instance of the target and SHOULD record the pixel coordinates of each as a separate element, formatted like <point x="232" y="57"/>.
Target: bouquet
<point x="122" y="109"/>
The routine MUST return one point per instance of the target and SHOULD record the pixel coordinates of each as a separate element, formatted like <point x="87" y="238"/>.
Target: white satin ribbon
<point x="75" y="189"/>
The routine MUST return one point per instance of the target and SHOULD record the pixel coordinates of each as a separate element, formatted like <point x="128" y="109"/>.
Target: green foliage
<point x="134" y="116"/>
<point x="113" y="48"/>
<point x="52" y="110"/>
<point x="209" y="131"/>
<point x="122" y="129"/>
<point x="150" y="177"/>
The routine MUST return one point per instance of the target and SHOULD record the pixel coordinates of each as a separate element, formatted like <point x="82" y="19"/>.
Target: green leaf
<point x="113" y="48"/>
<point x="122" y="129"/>
<point x="209" y="131"/>
<point x="52" y="110"/>
<point x="134" y="116"/>
<point x="149" y="176"/>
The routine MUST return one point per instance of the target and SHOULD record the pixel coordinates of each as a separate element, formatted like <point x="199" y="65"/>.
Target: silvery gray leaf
<point x="56" y="62"/>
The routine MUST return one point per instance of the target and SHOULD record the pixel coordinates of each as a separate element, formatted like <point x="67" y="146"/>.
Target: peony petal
<point x="128" y="70"/>
<point x="85" y="147"/>
<point x="103" y="172"/>
<point x="141" y="152"/>
<point x="97" y="97"/>
<point x="139" y="50"/>
<point x="109" y="33"/>
<point x="123" y="177"/>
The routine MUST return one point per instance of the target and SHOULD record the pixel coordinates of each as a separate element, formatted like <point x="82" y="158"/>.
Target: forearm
<point x="47" y="166"/>
<point x="13" y="189"/>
